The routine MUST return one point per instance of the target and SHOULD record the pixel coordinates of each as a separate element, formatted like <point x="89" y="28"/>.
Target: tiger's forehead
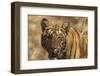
<point x="57" y="30"/>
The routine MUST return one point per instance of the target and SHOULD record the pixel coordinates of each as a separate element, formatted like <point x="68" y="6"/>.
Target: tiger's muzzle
<point x="58" y="53"/>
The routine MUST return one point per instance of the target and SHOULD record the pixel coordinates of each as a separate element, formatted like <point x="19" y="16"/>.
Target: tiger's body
<point x="63" y="42"/>
<point x="77" y="44"/>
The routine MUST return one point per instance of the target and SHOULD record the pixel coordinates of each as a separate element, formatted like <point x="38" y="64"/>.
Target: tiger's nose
<point x="57" y="44"/>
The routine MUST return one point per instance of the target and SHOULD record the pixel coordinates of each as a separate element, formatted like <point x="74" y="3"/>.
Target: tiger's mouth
<point x="57" y="54"/>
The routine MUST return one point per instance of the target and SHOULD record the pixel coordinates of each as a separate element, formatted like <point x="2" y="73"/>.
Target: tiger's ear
<point x="44" y="24"/>
<point x="66" y="26"/>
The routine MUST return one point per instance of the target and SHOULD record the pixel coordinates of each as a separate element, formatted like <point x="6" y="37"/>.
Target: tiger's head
<point x="53" y="39"/>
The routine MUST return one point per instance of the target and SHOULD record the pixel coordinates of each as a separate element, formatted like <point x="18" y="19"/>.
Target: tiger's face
<point x="53" y="39"/>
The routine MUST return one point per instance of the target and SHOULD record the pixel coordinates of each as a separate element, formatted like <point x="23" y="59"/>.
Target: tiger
<point x="63" y="42"/>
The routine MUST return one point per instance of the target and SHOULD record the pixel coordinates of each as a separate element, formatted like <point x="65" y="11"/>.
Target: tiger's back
<point x="77" y="44"/>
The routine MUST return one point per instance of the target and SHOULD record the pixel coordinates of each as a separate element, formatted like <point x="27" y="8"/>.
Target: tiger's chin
<point x="56" y="54"/>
